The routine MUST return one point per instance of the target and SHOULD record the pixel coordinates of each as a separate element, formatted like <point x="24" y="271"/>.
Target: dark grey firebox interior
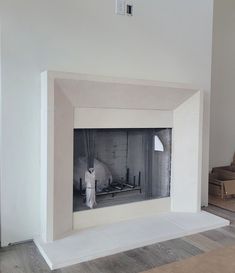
<point x="127" y="165"/>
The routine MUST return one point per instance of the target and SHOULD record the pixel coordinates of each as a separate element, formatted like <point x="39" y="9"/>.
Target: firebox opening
<point x="127" y="165"/>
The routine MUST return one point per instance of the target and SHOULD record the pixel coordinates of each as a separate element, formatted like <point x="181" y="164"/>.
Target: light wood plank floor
<point x="25" y="258"/>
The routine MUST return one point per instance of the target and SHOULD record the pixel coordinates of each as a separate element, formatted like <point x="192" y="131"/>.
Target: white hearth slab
<point x="106" y="240"/>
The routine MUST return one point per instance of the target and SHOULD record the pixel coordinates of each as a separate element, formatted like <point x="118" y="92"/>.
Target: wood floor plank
<point x="22" y="258"/>
<point x="140" y="259"/>
<point x="228" y="230"/>
<point x="202" y="242"/>
<point x="120" y="263"/>
<point x="155" y="255"/>
<point x="147" y="257"/>
<point x="181" y="248"/>
<point x="220" y="237"/>
<point x="217" y="261"/>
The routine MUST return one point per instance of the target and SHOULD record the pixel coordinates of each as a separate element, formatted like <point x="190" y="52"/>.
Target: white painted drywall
<point x="222" y="135"/>
<point x="0" y="127"/>
<point x="165" y="40"/>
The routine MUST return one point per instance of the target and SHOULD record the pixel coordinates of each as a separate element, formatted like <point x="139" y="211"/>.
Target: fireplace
<point x="131" y="165"/>
<point x="148" y="142"/>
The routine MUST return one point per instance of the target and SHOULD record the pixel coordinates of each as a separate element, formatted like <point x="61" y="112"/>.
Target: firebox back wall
<point x="120" y="149"/>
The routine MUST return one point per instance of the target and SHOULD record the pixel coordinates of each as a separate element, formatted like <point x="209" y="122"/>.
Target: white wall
<point x="222" y="145"/>
<point x="0" y="127"/>
<point x="165" y="40"/>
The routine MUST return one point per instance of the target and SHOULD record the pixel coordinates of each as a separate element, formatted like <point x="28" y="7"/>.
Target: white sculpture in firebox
<point x="90" y="188"/>
<point x="102" y="173"/>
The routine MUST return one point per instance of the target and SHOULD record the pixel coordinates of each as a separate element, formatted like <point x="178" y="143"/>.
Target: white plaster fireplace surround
<point x="71" y="101"/>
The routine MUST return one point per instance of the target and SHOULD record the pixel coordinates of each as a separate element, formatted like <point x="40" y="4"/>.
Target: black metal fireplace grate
<point x="116" y="187"/>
